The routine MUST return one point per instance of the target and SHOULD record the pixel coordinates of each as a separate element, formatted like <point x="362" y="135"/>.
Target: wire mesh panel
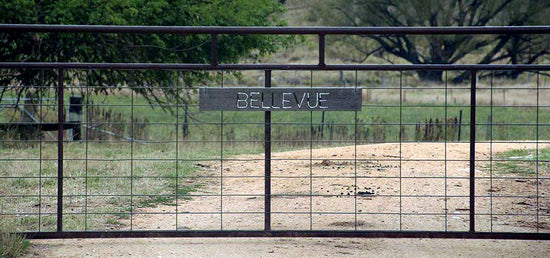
<point x="443" y="158"/>
<point x="512" y="166"/>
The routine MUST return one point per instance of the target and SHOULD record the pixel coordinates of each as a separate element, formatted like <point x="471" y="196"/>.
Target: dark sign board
<point x="280" y="99"/>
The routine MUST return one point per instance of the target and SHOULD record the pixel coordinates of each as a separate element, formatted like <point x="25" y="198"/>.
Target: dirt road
<point x="310" y="247"/>
<point x="388" y="171"/>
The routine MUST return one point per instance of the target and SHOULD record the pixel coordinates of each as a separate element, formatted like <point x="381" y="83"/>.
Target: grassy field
<point x="107" y="173"/>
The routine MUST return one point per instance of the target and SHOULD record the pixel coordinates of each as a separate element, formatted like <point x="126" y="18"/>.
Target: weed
<point x="113" y="221"/>
<point x="523" y="161"/>
<point x="153" y="201"/>
<point x="11" y="245"/>
<point x="21" y="183"/>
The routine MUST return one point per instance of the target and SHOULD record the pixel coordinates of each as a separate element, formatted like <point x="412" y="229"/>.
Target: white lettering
<point x="242" y="103"/>
<point x="300" y="103"/>
<point x="284" y="100"/>
<point x="273" y="101"/>
<point x="254" y="100"/>
<point x="322" y="100"/>
<point x="316" y="100"/>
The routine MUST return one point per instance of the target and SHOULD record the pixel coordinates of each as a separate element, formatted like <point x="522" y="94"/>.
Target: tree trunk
<point x="430" y="75"/>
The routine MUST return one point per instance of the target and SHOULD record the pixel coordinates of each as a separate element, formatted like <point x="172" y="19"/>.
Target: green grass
<point x="109" y="176"/>
<point x="523" y="162"/>
<point x="508" y="123"/>
<point x="11" y="245"/>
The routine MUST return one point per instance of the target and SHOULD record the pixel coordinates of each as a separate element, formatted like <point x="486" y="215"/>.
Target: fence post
<point x="473" y="150"/>
<point x="267" y="179"/>
<point x="459" y="124"/>
<point x="75" y="118"/>
<point x="60" y="124"/>
<point x="185" y="129"/>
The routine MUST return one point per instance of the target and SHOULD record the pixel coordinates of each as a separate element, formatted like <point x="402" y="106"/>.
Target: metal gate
<point x="442" y="160"/>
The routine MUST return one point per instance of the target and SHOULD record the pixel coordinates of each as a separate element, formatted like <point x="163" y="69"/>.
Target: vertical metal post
<point x="177" y="152"/>
<point x="60" y="122"/>
<point x="221" y="161"/>
<point x="133" y="135"/>
<point x="40" y="97"/>
<point x="311" y="159"/>
<point x="491" y="153"/>
<point x="267" y="179"/>
<point x="400" y="151"/>
<point x="356" y="136"/>
<point x="473" y="149"/>
<point x="87" y="122"/>
<point x="322" y="50"/>
<point x="537" y="157"/>
<point x="446" y="151"/>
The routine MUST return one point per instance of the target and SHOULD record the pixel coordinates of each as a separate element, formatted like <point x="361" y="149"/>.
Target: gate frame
<point x="214" y="65"/>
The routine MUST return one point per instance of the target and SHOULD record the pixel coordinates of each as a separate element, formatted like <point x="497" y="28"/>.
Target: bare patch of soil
<point x="283" y="247"/>
<point x="378" y="189"/>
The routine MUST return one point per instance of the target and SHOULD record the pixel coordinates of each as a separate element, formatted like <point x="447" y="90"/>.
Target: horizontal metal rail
<point x="222" y="67"/>
<point x="240" y="30"/>
<point x="290" y="233"/>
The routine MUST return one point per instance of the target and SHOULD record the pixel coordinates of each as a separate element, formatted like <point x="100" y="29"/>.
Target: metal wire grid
<point x="311" y="214"/>
<point x="133" y="161"/>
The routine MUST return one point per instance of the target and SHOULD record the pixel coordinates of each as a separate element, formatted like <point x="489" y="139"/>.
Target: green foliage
<point x="136" y="48"/>
<point x="445" y="49"/>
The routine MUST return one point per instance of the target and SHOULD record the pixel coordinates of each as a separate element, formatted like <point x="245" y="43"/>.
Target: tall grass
<point x="11" y="244"/>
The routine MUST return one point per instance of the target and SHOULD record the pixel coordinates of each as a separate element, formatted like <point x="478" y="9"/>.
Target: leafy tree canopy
<point x="445" y="49"/>
<point x="147" y="48"/>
